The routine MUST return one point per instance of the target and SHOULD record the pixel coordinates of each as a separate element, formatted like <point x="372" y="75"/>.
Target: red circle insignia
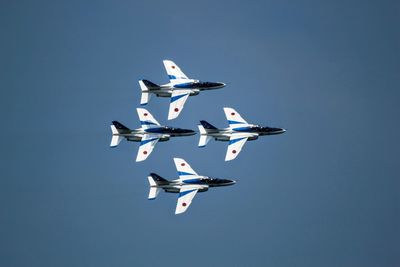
<point x="145" y="152"/>
<point x="173" y="67"/>
<point x="184" y="204"/>
<point x="233" y="113"/>
<point x="234" y="151"/>
<point x="145" y="114"/>
<point x="183" y="164"/>
<point x="176" y="109"/>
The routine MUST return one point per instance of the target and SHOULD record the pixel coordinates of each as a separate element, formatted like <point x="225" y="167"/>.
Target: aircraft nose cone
<point x="232" y="182"/>
<point x="278" y="130"/>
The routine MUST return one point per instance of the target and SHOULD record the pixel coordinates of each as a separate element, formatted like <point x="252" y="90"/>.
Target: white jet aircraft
<point x="178" y="89"/>
<point x="238" y="132"/>
<point x="188" y="184"/>
<point x="148" y="135"/>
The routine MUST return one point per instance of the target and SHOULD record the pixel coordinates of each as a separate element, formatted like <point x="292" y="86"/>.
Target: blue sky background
<point x="325" y="193"/>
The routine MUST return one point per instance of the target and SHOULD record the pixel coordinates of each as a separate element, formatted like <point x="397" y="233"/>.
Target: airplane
<point x="238" y="132"/>
<point x="179" y="88"/>
<point x="148" y="135"/>
<point x="188" y="184"/>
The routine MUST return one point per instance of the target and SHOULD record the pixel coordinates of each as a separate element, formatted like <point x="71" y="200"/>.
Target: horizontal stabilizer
<point x="204" y="139"/>
<point x="145" y="98"/>
<point x="117" y="128"/>
<point x="146" y="86"/>
<point x="201" y="129"/>
<point x="153" y="192"/>
<point x="115" y="140"/>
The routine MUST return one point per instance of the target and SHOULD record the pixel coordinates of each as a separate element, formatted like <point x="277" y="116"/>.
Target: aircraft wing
<point x="173" y="71"/>
<point x="146" y="146"/>
<point x="178" y="99"/>
<point x="186" y="195"/>
<point x="236" y="142"/>
<point x="185" y="172"/>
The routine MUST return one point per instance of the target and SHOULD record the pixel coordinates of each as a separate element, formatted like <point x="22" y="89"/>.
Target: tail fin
<point x="204" y="138"/>
<point x="146" y="87"/>
<point x="173" y="71"/>
<point x="234" y="118"/>
<point x="117" y="129"/>
<point x="155" y="180"/>
<point x="146" y="119"/>
<point x="208" y="126"/>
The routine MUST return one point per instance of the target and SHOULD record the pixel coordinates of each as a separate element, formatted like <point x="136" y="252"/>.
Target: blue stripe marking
<point x="184" y="85"/>
<point x="154" y="130"/>
<point x="235" y="122"/>
<point x="185" y="173"/>
<point x="147" y="123"/>
<point x="147" y="141"/>
<point x="192" y="181"/>
<point x="242" y="129"/>
<point x="174" y="98"/>
<point x="236" y="140"/>
<point x="181" y="194"/>
<point x="171" y="77"/>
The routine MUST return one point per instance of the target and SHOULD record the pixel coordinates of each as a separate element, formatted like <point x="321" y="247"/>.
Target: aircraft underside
<point x="168" y="92"/>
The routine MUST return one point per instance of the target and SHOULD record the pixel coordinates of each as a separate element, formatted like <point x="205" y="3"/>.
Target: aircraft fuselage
<point x="205" y="182"/>
<point x="225" y="133"/>
<point x="166" y="132"/>
<point x="195" y="86"/>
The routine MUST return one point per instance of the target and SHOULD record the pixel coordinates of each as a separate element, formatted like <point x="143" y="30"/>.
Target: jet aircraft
<point x="178" y="89"/>
<point x="238" y="132"/>
<point x="148" y="135"/>
<point x="188" y="184"/>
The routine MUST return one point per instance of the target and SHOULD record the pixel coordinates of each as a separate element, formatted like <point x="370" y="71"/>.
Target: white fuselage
<point x="224" y="134"/>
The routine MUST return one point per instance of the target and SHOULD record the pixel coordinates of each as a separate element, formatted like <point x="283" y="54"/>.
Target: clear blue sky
<point x="325" y="193"/>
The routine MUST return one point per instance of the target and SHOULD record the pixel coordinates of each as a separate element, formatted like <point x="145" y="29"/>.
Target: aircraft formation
<point x="179" y="88"/>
